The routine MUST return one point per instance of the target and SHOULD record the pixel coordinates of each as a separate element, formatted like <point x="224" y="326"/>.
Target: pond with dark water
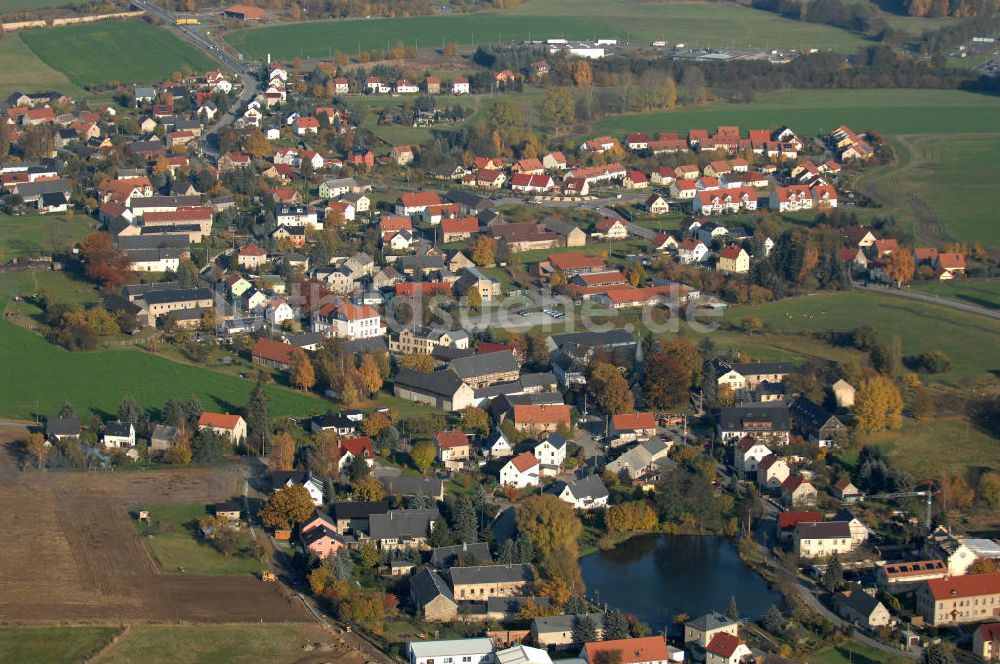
<point x="656" y="577"/>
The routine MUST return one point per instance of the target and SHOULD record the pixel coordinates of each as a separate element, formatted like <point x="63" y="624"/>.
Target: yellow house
<point x="734" y="260"/>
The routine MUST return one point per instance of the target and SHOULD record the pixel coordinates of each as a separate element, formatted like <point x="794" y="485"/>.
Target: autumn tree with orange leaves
<point x="104" y="263"/>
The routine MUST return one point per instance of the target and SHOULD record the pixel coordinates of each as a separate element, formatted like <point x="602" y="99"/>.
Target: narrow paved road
<point x="933" y="299"/>
<point x="251" y="86"/>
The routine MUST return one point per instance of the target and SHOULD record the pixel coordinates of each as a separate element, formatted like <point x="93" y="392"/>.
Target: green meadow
<point x="813" y="111"/>
<point x="24" y="71"/>
<point x="36" y="234"/>
<point x="694" y="23"/>
<point x="919" y="326"/>
<point x="126" y="51"/>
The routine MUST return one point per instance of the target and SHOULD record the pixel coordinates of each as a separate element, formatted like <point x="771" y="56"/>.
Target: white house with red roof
<point x="722" y="201"/>
<point x="232" y="427"/>
<point x="353" y="448"/>
<point x="637" y="141"/>
<point x="454" y="448"/>
<point x="530" y="183"/>
<point x="306" y="125"/>
<point x="727" y="649"/>
<point x="375" y="86"/>
<point x="791" y="198"/>
<point x="412" y="203"/>
<point x="405" y="87"/>
<point x="635" y="180"/>
<point x="948" y="264"/>
<point x="460" y="86"/>
<point x="748" y="454"/>
<point x="663" y="242"/>
<point x="824" y="196"/>
<point x="353" y="321"/>
<point x="521" y="471"/>
<point x="610" y="228"/>
<point x="599" y="144"/>
<point x="251" y="257"/>
<point x="629" y="427"/>
<point x="683" y="189"/>
<point x="691" y="251"/>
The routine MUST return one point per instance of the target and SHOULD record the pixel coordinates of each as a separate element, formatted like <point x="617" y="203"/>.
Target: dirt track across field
<point x="71" y="554"/>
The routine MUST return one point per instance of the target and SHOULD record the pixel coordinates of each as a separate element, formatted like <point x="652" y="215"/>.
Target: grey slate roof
<point x="128" y="242"/>
<point x="483" y="365"/>
<point x="177" y="295"/>
<point x="120" y="429"/>
<point x="164" y="432"/>
<point x="732" y="418"/>
<point x="564" y="623"/>
<point x="413" y="486"/>
<point x="591" y="486"/>
<point x="63" y="426"/>
<point x="824" y="530"/>
<point x="758" y="368"/>
<point x="359" y="509"/>
<point x="440" y="383"/>
<point x="861" y="602"/>
<point x="709" y="621"/>
<point x="513" y="605"/>
<point x="608" y="339"/>
<point x="280" y="478"/>
<point x="446" y="556"/>
<point x="35" y="190"/>
<point x="369" y="345"/>
<point x="491" y="574"/>
<point x="811" y="414"/>
<point x="542" y="379"/>
<point x="401" y="524"/>
<point x="426" y="585"/>
<point x="556" y="440"/>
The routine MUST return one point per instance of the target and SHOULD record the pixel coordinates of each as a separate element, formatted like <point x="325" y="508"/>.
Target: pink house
<point x="322" y="541"/>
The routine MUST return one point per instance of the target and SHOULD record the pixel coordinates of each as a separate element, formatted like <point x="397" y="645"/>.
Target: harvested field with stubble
<point x="71" y="552"/>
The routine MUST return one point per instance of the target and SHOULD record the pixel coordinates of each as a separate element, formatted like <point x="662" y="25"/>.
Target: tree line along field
<point x="126" y="51"/>
<point x="23" y="70"/>
<point x="695" y="24"/>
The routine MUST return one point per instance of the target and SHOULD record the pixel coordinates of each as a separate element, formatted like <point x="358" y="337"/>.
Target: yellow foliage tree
<point x="878" y="404"/>
<point x="423" y="455"/>
<point x="629" y="517"/>
<point x="371" y="377"/>
<point x="301" y="370"/>
<point x="282" y="451"/>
